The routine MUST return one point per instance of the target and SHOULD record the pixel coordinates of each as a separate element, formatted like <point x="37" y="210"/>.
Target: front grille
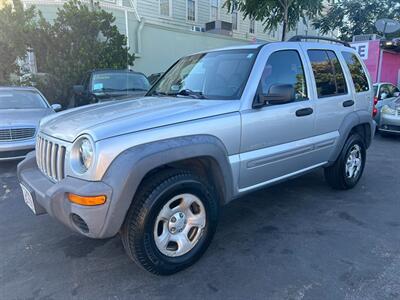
<point x="50" y="158"/>
<point x="16" y="134"/>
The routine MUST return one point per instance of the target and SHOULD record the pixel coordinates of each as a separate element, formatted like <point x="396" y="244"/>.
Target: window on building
<point x="234" y="15"/>
<point x="214" y="10"/>
<point x="357" y="72"/>
<point x="328" y="73"/>
<point x="252" y="29"/>
<point x="191" y="10"/>
<point x="284" y="67"/>
<point x="165" y="8"/>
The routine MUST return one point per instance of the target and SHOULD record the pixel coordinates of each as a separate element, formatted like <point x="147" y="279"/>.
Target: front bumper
<point x="16" y="150"/>
<point x="389" y="123"/>
<point x="52" y="198"/>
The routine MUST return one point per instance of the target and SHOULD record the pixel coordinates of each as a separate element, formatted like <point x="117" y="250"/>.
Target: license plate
<point x="28" y="198"/>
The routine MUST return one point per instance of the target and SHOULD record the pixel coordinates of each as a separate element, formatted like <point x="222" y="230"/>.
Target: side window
<point x="328" y="73"/>
<point x="357" y="72"/>
<point x="284" y="67"/>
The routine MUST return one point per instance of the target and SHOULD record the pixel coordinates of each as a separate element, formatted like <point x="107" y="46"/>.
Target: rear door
<point x="334" y="98"/>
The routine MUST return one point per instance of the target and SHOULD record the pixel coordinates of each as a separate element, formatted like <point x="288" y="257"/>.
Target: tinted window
<point x="215" y="75"/>
<point x="328" y="73"/>
<point x="119" y="82"/>
<point x="284" y="67"/>
<point x="13" y="99"/>
<point x="357" y="73"/>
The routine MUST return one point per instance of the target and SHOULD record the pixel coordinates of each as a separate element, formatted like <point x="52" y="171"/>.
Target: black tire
<point x="336" y="175"/>
<point x="137" y="232"/>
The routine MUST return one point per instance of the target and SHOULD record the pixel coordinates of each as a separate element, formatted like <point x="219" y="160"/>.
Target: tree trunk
<point x="285" y="21"/>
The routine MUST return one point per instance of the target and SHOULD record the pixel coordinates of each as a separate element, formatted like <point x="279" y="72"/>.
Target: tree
<point x="79" y="40"/>
<point x="272" y="13"/>
<point x="352" y="17"/>
<point x="16" y="25"/>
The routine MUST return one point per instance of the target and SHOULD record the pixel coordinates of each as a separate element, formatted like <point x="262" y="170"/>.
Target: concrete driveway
<point x="296" y="240"/>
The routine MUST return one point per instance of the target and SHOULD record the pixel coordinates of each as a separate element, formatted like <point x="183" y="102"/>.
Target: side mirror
<point x="396" y="94"/>
<point x="383" y="96"/>
<point x="277" y="94"/>
<point x="78" y="89"/>
<point x="56" y="107"/>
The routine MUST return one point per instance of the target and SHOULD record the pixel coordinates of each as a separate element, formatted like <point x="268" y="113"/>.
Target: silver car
<point x="21" y="109"/>
<point x="215" y="126"/>
<point x="389" y="122"/>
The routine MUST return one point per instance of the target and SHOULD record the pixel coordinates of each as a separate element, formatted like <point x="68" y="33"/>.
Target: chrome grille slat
<point x="50" y="157"/>
<point x="53" y="163"/>
<point x="16" y="134"/>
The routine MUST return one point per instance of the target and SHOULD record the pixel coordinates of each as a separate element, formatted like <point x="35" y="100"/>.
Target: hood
<point x="109" y="119"/>
<point x="23" y="117"/>
<point x="395" y="104"/>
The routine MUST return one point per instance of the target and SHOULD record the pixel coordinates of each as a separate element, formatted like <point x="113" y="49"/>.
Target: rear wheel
<point x="171" y="222"/>
<point x="348" y="168"/>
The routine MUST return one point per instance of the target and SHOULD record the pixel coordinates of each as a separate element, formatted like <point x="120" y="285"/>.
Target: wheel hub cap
<point x="354" y="162"/>
<point x="177" y="223"/>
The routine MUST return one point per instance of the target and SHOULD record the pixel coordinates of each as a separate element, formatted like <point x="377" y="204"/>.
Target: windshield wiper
<point x="189" y="93"/>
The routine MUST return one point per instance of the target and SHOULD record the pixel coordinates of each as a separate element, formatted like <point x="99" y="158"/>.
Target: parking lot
<point x="296" y="240"/>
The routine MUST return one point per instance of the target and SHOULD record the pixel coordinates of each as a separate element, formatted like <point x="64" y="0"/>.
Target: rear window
<point x="357" y="73"/>
<point x="14" y="99"/>
<point x="328" y="73"/>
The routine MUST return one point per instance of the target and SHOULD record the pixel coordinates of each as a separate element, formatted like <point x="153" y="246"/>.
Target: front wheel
<point x="347" y="170"/>
<point x="171" y="222"/>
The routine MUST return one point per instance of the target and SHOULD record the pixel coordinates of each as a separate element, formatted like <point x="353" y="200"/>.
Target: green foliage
<point x="78" y="40"/>
<point x="352" y="17"/>
<point x="16" y="25"/>
<point x="272" y="13"/>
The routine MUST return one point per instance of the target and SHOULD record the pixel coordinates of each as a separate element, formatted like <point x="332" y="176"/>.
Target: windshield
<point x="220" y="75"/>
<point x="14" y="99"/>
<point x="119" y="82"/>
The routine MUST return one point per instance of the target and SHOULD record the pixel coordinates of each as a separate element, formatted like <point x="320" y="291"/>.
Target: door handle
<point x="348" y="103"/>
<point x="304" y="112"/>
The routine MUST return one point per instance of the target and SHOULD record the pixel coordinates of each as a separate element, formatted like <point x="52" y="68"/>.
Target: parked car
<point x="385" y="93"/>
<point x="154" y="77"/>
<point x="21" y="109"/>
<point x="390" y="118"/>
<point x="105" y="85"/>
<point x="217" y="125"/>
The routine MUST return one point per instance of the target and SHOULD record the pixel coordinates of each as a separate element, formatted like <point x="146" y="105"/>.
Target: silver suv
<point x="215" y="126"/>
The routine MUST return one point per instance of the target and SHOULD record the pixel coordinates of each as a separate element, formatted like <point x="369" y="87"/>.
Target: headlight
<point x="82" y="154"/>
<point x="387" y="110"/>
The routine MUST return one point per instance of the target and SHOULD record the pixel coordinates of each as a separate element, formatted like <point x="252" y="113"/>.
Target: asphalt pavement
<point x="296" y="240"/>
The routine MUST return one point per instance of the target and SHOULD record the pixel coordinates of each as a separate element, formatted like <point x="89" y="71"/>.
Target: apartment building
<point x="161" y="31"/>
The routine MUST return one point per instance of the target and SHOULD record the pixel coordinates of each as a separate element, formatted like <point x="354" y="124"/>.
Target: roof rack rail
<point x="299" y="38"/>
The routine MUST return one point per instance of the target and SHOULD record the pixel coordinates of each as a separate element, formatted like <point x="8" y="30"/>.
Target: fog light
<point x="87" y="200"/>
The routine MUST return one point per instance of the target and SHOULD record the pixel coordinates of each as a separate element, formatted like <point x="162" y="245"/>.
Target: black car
<point x="104" y="85"/>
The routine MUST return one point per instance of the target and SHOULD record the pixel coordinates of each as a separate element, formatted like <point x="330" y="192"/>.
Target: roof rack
<point x="299" y="38"/>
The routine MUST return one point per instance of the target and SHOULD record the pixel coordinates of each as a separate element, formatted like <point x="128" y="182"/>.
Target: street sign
<point x="387" y="26"/>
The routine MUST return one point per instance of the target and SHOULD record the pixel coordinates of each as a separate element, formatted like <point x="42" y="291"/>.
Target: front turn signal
<point x="87" y="200"/>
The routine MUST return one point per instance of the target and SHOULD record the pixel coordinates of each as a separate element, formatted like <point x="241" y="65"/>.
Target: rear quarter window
<point x="357" y="72"/>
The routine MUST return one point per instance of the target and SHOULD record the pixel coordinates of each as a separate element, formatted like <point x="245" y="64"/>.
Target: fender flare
<point x="350" y="121"/>
<point x="130" y="167"/>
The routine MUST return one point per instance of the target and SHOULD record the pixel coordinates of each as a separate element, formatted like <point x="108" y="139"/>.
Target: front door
<point x="277" y="140"/>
